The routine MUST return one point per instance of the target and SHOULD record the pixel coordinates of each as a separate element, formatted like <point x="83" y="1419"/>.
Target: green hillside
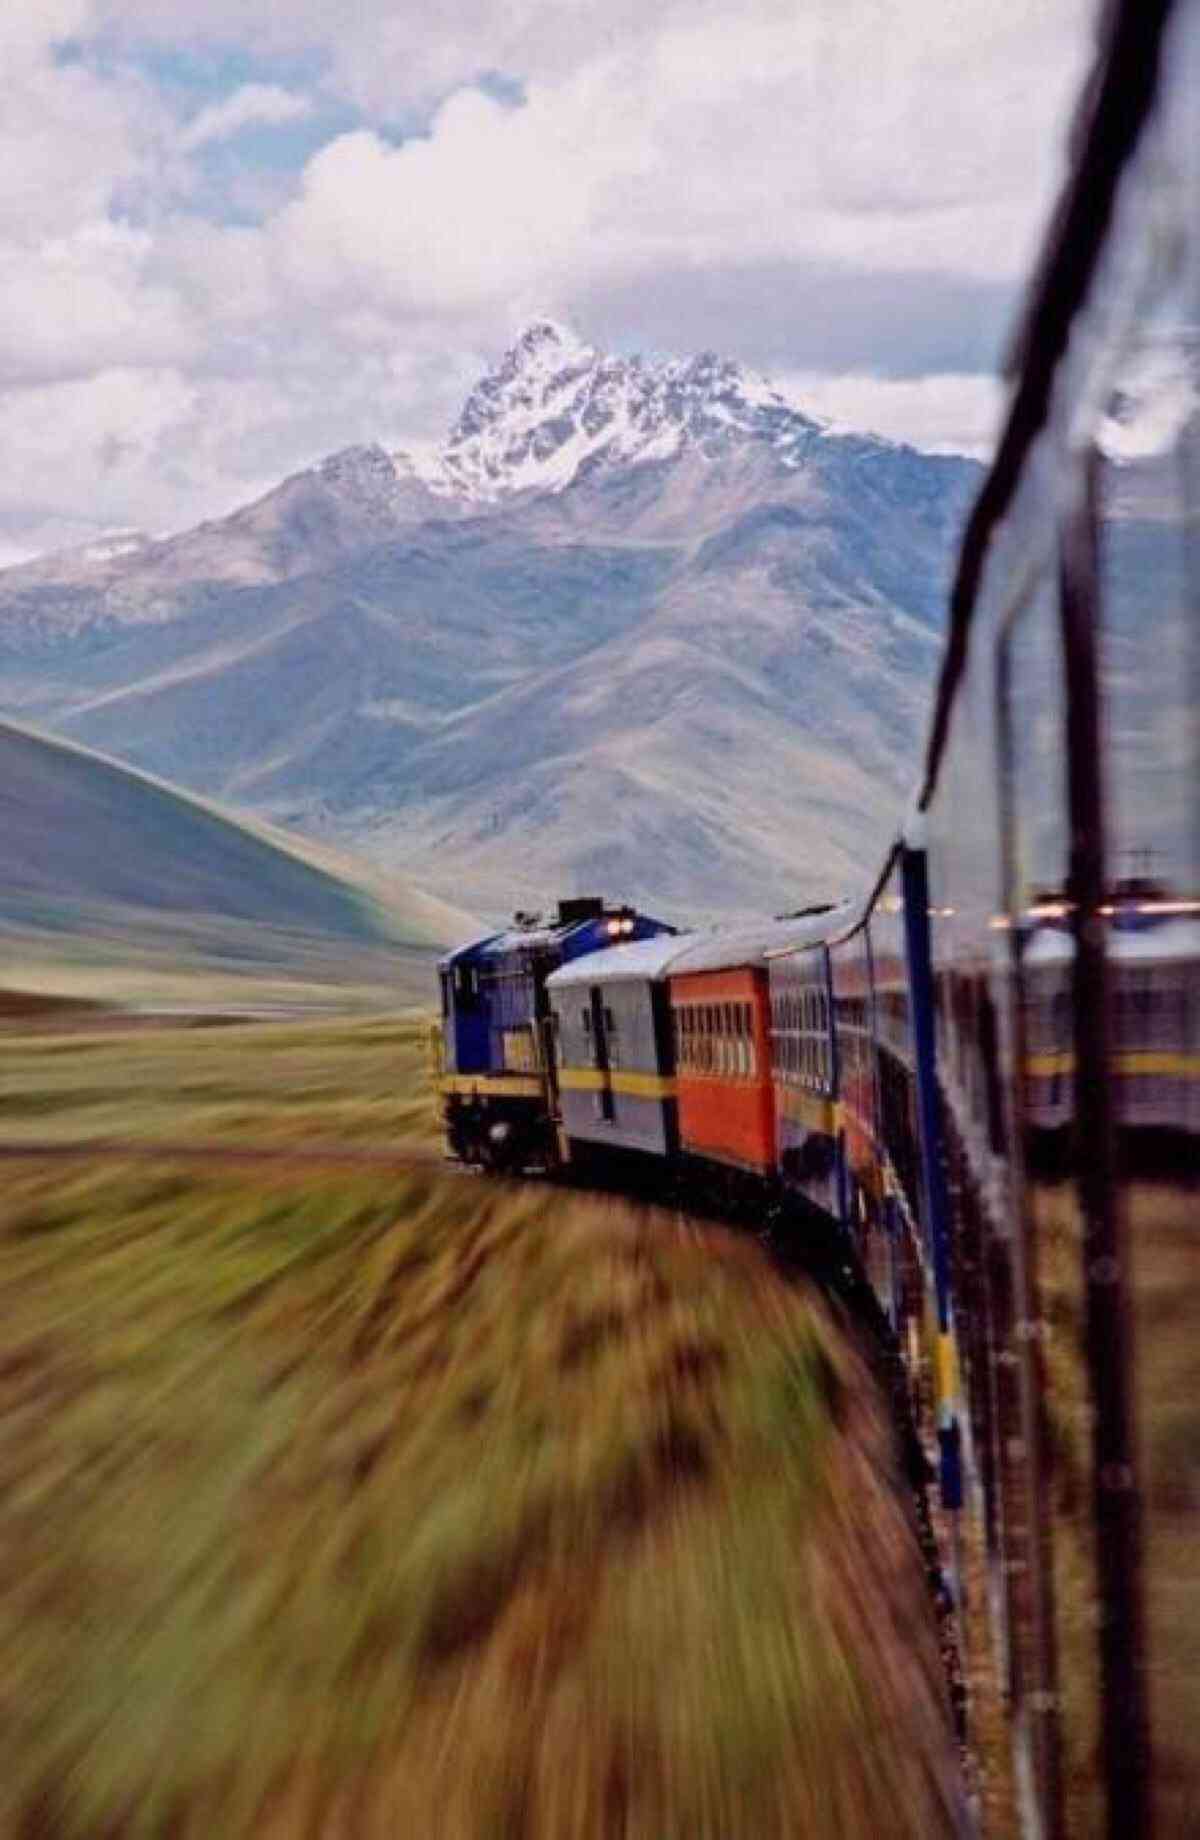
<point x="109" y="862"/>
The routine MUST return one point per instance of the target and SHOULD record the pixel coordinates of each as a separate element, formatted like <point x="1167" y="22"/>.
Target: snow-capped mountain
<point x="555" y="410"/>
<point x="642" y="625"/>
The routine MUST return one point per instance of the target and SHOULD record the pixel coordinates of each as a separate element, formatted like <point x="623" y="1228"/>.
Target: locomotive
<point x="895" y="1065"/>
<point x="497" y="1063"/>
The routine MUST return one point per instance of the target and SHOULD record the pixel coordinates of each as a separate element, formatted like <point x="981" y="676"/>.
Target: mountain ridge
<point x="639" y="625"/>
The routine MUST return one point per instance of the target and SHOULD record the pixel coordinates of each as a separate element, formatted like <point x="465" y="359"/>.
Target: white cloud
<point x="652" y="149"/>
<point x="253" y="105"/>
<point x="68" y="139"/>
<point x="82" y="303"/>
<point x="941" y="414"/>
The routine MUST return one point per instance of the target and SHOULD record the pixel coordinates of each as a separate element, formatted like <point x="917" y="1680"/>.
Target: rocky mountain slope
<point x="645" y="627"/>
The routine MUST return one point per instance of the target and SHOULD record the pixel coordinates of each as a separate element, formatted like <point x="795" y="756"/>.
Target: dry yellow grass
<point x="361" y="1503"/>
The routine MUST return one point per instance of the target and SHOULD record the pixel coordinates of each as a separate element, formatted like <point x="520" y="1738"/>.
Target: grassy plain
<point x="352" y="1501"/>
<point x="338" y="1081"/>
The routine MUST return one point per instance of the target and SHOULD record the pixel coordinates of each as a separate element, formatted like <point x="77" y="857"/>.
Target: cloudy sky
<point x="234" y="237"/>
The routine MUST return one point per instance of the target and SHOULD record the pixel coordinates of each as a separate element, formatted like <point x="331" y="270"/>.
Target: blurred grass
<point x="386" y="1504"/>
<point x="346" y="1081"/>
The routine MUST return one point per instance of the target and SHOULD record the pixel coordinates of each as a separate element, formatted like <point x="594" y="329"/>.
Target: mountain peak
<point x="545" y="334"/>
<point x="554" y="409"/>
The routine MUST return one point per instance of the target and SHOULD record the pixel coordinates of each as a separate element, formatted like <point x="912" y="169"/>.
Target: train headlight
<point x="614" y="928"/>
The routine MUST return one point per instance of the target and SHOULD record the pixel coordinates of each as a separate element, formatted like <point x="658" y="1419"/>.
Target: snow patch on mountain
<point x="113" y="543"/>
<point x="554" y="409"/>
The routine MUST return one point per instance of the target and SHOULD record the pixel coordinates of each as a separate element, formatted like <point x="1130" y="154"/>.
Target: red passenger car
<point x="721" y="1019"/>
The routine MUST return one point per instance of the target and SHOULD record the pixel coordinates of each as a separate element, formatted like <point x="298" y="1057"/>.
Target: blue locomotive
<point x="497" y="1050"/>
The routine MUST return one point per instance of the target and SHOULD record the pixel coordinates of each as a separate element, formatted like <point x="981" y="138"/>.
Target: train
<point x="894" y="1068"/>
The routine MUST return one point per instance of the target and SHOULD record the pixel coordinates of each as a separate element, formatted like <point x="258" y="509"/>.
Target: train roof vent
<point x="580" y="907"/>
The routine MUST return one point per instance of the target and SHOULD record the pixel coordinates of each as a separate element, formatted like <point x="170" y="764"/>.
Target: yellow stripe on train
<point x="817" y="1111"/>
<point x="947" y="1369"/>
<point x="632" y="1085"/>
<point x="491" y="1086"/>
<point x="1136" y="1061"/>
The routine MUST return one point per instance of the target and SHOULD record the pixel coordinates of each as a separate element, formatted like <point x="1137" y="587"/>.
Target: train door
<point x="545" y="1041"/>
<point x="601" y="1059"/>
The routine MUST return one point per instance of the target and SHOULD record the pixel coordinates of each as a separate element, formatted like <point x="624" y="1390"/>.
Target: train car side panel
<point x="722" y="1037"/>
<point x="804" y="1075"/>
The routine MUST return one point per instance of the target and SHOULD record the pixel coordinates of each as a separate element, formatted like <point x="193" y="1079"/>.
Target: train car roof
<point x="640" y="959"/>
<point x="474" y="948"/>
<point x="746" y="946"/>
<point x="1177" y="937"/>
<point x="734" y="949"/>
<point x="1160" y="942"/>
<point x="541" y="936"/>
